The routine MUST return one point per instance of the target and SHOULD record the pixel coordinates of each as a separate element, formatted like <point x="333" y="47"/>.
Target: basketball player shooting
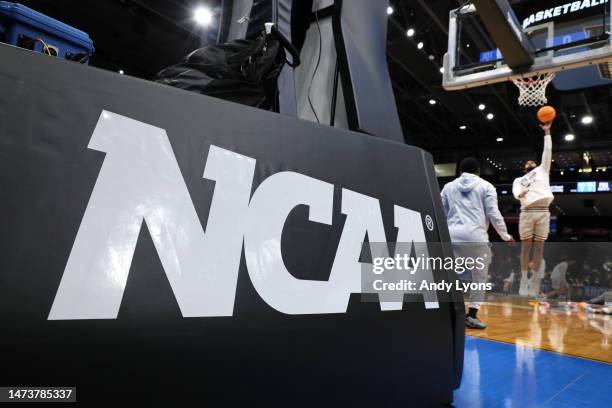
<point x="534" y="193"/>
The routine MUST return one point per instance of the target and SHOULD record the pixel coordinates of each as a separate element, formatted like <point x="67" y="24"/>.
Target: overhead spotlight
<point x="490" y="116"/>
<point x="432" y="102"/>
<point x="482" y="106"/>
<point x="389" y="10"/>
<point x="462" y="127"/>
<point x="202" y="16"/>
<point x="420" y="45"/>
<point x="587" y="120"/>
<point x="569" y="137"/>
<point x="500" y="139"/>
<point x="410" y="32"/>
<point x="441" y="70"/>
<point x="121" y="72"/>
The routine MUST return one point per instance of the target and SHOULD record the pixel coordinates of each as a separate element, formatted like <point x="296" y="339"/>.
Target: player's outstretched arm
<point x="547" y="152"/>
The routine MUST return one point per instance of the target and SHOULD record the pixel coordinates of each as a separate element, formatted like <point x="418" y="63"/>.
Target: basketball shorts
<point x="534" y="224"/>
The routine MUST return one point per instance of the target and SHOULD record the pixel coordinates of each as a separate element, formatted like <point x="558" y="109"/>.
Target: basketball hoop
<point x="533" y="89"/>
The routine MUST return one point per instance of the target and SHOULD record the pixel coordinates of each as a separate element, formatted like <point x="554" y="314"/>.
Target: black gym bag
<point x="242" y="71"/>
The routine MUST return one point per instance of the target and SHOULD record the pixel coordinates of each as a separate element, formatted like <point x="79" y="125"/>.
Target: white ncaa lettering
<point x="140" y="182"/>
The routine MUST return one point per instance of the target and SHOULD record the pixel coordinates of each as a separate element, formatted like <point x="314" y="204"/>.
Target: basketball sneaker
<point x="533" y="286"/>
<point x="474" y="323"/>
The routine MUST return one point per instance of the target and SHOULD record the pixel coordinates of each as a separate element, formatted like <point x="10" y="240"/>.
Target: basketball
<point x="547" y="114"/>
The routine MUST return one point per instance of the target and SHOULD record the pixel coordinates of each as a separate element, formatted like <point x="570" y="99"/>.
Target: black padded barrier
<point x="150" y="354"/>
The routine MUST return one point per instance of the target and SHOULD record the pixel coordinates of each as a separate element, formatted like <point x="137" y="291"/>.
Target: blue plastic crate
<point x="24" y="27"/>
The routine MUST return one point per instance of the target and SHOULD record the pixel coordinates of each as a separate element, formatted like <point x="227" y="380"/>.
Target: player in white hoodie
<point x="533" y="191"/>
<point x="470" y="204"/>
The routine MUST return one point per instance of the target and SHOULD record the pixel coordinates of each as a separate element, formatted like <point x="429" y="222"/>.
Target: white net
<point x="533" y="89"/>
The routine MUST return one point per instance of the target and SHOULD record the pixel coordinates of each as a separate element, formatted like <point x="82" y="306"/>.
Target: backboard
<point x="565" y="36"/>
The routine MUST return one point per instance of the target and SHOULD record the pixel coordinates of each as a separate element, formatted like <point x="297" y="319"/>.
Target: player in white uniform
<point x="533" y="191"/>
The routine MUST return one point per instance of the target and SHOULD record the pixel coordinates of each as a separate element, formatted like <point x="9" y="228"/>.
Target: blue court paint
<point x="516" y="376"/>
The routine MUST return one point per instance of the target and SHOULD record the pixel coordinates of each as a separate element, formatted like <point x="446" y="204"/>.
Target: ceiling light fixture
<point x="389" y="10"/>
<point x="410" y="32"/>
<point x="587" y="120"/>
<point x="202" y="16"/>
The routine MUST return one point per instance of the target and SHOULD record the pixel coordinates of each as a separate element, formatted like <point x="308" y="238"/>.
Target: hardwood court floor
<point x="514" y="320"/>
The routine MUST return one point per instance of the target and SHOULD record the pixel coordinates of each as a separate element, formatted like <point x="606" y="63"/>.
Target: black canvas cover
<point x="242" y="71"/>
